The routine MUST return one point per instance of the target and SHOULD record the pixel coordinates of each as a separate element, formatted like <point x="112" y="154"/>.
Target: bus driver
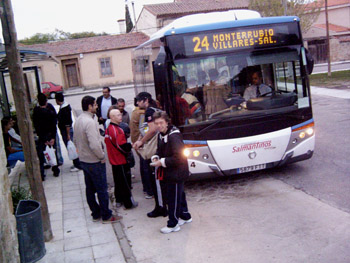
<point x="257" y="88"/>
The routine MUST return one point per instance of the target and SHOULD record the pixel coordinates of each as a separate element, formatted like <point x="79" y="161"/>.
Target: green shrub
<point x="19" y="193"/>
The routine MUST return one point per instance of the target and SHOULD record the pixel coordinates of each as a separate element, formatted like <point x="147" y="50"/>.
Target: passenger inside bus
<point x="214" y="94"/>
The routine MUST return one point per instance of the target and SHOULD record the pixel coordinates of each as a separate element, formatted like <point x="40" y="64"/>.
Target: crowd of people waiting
<point x="162" y="174"/>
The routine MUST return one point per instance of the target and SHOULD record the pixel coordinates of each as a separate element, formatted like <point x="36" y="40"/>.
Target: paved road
<point x="326" y="175"/>
<point x="298" y="213"/>
<point x="336" y="66"/>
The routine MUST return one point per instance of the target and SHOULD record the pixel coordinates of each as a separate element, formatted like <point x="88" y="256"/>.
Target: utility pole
<point x="285" y="11"/>
<point x="133" y="9"/>
<point x="22" y="110"/>
<point x="328" y="43"/>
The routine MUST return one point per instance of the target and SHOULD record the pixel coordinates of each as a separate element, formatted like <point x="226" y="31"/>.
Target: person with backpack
<point x="149" y="132"/>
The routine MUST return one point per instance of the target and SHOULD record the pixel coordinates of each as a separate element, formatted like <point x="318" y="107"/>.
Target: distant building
<point x="90" y="62"/>
<point x="154" y="17"/>
<point x="107" y="60"/>
<point x="339" y="32"/>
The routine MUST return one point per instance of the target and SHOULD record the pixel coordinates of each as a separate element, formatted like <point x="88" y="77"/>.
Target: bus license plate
<point x="252" y="168"/>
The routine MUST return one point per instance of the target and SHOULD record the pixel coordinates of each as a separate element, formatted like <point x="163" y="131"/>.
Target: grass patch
<point x="337" y="78"/>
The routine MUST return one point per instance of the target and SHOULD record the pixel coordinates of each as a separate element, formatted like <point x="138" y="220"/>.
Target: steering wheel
<point x="273" y="92"/>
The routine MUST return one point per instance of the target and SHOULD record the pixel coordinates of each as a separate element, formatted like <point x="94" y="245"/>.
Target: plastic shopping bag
<point x="50" y="155"/>
<point x="72" y="151"/>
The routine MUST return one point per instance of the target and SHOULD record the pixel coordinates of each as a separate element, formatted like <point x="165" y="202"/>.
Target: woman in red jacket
<point x="117" y="147"/>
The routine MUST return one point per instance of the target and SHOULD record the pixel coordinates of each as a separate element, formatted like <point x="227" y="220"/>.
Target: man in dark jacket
<point x="45" y="121"/>
<point x="65" y="121"/>
<point x="103" y="103"/>
<point x="172" y="169"/>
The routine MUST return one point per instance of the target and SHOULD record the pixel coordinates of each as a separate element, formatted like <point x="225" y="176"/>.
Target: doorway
<point x="71" y="73"/>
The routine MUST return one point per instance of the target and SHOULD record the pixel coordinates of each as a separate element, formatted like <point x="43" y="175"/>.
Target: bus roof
<point x="216" y="20"/>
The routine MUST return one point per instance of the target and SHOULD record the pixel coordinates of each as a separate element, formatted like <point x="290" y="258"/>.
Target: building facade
<point x="89" y="62"/>
<point x="339" y="32"/>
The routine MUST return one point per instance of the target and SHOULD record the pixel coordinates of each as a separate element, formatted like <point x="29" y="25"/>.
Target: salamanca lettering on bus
<point x="252" y="146"/>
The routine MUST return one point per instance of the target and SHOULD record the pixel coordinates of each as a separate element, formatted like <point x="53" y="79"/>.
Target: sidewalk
<point x="76" y="237"/>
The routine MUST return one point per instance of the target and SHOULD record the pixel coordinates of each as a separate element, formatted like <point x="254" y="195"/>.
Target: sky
<point x="44" y="16"/>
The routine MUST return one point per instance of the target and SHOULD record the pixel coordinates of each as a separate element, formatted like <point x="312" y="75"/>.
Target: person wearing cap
<point x="144" y="101"/>
<point x="104" y="102"/>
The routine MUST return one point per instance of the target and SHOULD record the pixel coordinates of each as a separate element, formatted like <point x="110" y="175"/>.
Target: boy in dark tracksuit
<point x="172" y="169"/>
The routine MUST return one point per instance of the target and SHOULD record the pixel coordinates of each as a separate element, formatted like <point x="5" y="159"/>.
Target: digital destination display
<point x="236" y="38"/>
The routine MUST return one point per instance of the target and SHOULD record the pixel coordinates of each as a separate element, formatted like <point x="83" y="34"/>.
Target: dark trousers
<point x="122" y="184"/>
<point x="76" y="161"/>
<point x="159" y="189"/>
<point x="146" y="174"/>
<point x="96" y="182"/>
<point x="177" y="204"/>
<point x="40" y="150"/>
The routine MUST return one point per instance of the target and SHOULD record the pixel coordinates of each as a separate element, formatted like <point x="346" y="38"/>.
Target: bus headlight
<point x="302" y="135"/>
<point x="310" y="131"/>
<point x="186" y="152"/>
<point x="196" y="153"/>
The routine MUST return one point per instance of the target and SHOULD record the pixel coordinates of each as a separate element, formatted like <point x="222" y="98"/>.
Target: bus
<point x="202" y="67"/>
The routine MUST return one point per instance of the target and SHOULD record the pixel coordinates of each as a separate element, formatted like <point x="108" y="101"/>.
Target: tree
<point x="40" y="38"/>
<point x="306" y="11"/>
<point x="22" y="110"/>
<point x="129" y="24"/>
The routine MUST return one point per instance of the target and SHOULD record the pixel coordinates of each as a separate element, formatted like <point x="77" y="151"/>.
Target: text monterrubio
<point x="213" y="42"/>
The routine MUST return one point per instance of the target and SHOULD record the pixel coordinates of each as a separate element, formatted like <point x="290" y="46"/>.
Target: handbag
<point x="149" y="148"/>
<point x="50" y="155"/>
<point x="72" y="151"/>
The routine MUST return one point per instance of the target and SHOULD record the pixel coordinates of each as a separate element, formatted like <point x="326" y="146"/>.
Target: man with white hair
<point x="117" y="148"/>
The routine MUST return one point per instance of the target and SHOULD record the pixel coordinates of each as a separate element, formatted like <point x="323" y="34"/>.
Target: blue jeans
<point x="14" y="157"/>
<point x="96" y="182"/>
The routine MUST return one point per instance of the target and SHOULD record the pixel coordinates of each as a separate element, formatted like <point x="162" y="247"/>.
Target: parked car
<point x="50" y="89"/>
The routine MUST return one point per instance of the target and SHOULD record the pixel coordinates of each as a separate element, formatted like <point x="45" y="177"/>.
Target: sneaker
<point x="147" y="196"/>
<point x="182" y="221"/>
<point x="167" y="230"/>
<point x="118" y="204"/>
<point x="133" y="176"/>
<point x="74" y="169"/>
<point x="96" y="219"/>
<point x="158" y="212"/>
<point x="112" y="219"/>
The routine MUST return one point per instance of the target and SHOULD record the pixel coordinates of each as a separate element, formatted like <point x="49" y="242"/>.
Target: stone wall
<point x="340" y="48"/>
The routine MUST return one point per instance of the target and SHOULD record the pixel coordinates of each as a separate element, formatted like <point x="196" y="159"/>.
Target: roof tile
<point x="332" y="27"/>
<point x="92" y="44"/>
<point x="183" y="8"/>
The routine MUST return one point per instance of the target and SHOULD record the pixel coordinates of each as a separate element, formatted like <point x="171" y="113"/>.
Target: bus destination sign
<point x="235" y="39"/>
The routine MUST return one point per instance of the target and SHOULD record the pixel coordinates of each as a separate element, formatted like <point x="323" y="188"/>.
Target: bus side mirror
<point x="309" y="62"/>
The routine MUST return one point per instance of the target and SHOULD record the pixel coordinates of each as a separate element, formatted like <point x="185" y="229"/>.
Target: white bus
<point x="202" y="66"/>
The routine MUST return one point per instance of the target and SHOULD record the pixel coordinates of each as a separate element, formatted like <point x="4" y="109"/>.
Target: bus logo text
<point x="252" y="146"/>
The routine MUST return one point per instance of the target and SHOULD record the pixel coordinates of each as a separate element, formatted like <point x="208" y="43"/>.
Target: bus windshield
<point x="224" y="85"/>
